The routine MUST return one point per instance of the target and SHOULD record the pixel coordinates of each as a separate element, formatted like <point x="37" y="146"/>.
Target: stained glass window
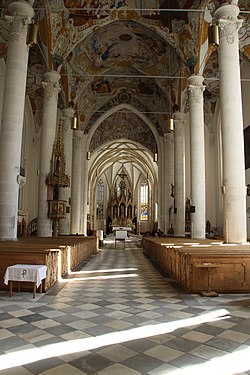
<point x="144" y="201"/>
<point x="99" y="199"/>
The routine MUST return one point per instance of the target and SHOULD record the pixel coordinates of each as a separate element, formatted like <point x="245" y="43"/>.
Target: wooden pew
<point x="204" y="267"/>
<point x="59" y="254"/>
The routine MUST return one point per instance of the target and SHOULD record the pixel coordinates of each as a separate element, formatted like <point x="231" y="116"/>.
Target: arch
<point x="117" y="108"/>
<point x="84" y="33"/>
<point x="114" y="157"/>
<point x="109" y="155"/>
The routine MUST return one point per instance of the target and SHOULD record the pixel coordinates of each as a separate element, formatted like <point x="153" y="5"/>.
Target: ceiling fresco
<point x="142" y="95"/>
<point x="110" y="53"/>
<point x="122" y="43"/>
<point x="82" y="11"/>
<point x="121" y="125"/>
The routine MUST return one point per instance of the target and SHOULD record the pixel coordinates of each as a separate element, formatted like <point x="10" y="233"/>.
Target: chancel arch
<point x="122" y="166"/>
<point x="123" y="110"/>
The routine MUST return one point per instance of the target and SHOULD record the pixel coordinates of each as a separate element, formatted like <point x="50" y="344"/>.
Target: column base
<point x="209" y="294"/>
<point x="8" y="239"/>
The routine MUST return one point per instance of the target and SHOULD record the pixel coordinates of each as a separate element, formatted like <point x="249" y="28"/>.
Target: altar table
<point x="25" y="272"/>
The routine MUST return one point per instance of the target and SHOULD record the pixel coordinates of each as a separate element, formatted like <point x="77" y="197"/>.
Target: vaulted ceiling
<point x="123" y="63"/>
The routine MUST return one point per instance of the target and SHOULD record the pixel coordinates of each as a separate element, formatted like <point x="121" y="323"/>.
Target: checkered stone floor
<point x="118" y="315"/>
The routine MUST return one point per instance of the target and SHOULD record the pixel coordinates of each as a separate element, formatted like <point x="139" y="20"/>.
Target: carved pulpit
<point x="56" y="180"/>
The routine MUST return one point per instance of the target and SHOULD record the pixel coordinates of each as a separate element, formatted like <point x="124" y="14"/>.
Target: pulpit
<point x="56" y="180"/>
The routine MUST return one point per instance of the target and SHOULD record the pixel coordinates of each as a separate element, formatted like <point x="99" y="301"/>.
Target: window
<point x="99" y="199"/>
<point x="144" y="201"/>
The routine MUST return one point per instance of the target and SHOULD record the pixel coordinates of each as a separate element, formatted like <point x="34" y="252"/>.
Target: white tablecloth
<point x="25" y="272"/>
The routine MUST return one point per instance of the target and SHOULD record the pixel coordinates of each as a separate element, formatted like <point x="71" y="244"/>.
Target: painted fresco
<point x="153" y="107"/>
<point x="139" y="86"/>
<point x="124" y="42"/>
<point x="212" y="71"/>
<point x="102" y="51"/>
<point x="85" y="9"/>
<point x="123" y="125"/>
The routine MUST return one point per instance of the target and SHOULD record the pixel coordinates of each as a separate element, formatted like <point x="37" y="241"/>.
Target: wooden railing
<point x="32" y="228"/>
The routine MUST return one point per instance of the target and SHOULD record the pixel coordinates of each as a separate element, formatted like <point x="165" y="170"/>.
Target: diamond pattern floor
<point x="117" y="315"/>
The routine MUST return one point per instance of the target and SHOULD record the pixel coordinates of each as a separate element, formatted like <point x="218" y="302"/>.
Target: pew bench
<point x="206" y="268"/>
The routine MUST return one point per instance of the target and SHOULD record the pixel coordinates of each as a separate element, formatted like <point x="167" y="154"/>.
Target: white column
<point x="233" y="188"/>
<point x="211" y="178"/>
<point x="160" y="198"/>
<point x="51" y="89"/>
<point x="76" y="182"/>
<point x="65" y="193"/>
<point x="179" y="174"/>
<point x="21" y="14"/>
<point x="169" y="178"/>
<point x="197" y="156"/>
<point x="84" y="187"/>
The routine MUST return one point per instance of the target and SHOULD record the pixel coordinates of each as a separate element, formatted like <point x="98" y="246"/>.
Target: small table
<point x="209" y="266"/>
<point x="121" y="235"/>
<point x="25" y="272"/>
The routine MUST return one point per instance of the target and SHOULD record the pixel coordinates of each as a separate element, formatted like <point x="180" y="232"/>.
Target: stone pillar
<point x="85" y="171"/>
<point x="169" y="178"/>
<point x="76" y="182"/>
<point x="233" y="189"/>
<point x="65" y="193"/>
<point x="49" y="117"/>
<point x="21" y="14"/>
<point x="179" y="174"/>
<point x="197" y="156"/>
<point x="160" y="197"/>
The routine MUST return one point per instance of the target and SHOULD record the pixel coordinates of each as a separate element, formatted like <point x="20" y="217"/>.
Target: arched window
<point x="144" y="201"/>
<point x="99" y="199"/>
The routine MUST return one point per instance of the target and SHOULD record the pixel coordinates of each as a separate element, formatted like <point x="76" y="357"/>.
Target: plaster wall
<point x="245" y="86"/>
<point x="187" y="158"/>
<point x="28" y="196"/>
<point x="211" y="176"/>
<point x="2" y="81"/>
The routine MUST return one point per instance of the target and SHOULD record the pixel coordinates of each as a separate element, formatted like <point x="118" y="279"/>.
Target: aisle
<point x="118" y="315"/>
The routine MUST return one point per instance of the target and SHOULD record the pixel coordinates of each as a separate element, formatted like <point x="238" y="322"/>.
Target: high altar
<point x="121" y="207"/>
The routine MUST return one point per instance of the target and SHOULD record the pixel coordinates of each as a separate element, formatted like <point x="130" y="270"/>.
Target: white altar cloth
<point x="25" y="272"/>
<point x="115" y="228"/>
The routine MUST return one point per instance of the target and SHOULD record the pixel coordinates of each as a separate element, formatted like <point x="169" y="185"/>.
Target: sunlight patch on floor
<point x="22" y="357"/>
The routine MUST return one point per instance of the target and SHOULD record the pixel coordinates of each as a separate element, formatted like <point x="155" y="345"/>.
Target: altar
<point x="126" y="228"/>
<point x="121" y="206"/>
<point x="121" y="234"/>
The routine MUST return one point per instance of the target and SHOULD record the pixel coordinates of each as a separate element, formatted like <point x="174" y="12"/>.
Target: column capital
<point x="21" y="14"/>
<point x="65" y="124"/>
<point x="179" y="122"/>
<point x="196" y="80"/>
<point x="168" y="136"/>
<point x="51" y="84"/>
<point x="228" y="23"/>
<point x="227" y="11"/>
<point x="179" y="117"/>
<point x="68" y="112"/>
<point x="196" y="88"/>
<point x="51" y="76"/>
<point x="21" y="9"/>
